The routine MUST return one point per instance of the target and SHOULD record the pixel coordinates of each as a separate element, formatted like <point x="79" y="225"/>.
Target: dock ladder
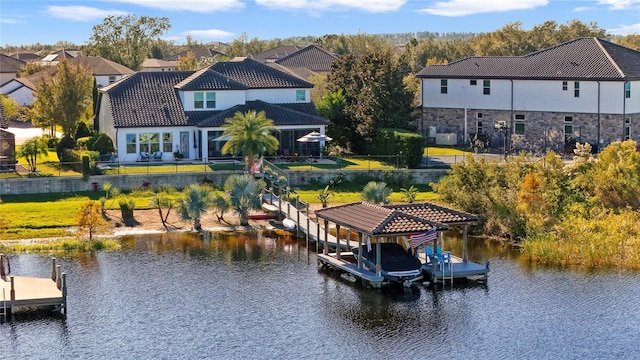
<point x="3" y="314"/>
<point x="447" y="264"/>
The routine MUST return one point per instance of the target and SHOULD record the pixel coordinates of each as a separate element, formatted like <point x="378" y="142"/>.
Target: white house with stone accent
<point x="157" y="114"/>
<point x="585" y="90"/>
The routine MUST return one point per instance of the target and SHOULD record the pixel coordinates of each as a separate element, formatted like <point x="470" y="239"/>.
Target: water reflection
<point x="260" y="295"/>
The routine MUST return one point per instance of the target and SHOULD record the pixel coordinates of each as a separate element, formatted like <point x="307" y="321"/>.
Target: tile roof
<point x="199" y="53"/>
<point x="582" y="58"/>
<point x="208" y="79"/>
<point x="150" y="63"/>
<point x="375" y="220"/>
<point x="302" y="73"/>
<point x="101" y="66"/>
<point x="147" y="99"/>
<point x="274" y="54"/>
<point x="9" y="64"/>
<point x="312" y="57"/>
<point x="435" y="213"/>
<point x="281" y="114"/>
<point x="25" y="55"/>
<point x="256" y="75"/>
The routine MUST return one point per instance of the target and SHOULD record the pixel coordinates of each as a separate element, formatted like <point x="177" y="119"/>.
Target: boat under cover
<point x="397" y="264"/>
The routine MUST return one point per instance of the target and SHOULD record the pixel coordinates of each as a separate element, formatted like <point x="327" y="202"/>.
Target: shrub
<point x="408" y="145"/>
<point x="82" y="130"/>
<point x="102" y="143"/>
<point x="127" y="205"/>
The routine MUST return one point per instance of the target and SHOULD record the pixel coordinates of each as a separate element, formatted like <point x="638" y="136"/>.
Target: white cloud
<point x="619" y="4"/>
<point x="625" y="29"/>
<point x="210" y="34"/>
<point x="469" y="7"/>
<point x="81" y="13"/>
<point x="201" y="6"/>
<point x="374" y="6"/>
<point x="584" y="8"/>
<point x="8" y="20"/>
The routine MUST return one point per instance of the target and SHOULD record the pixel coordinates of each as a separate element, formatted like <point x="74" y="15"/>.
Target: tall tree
<point x="90" y="219"/>
<point x="64" y="98"/>
<point x="375" y="94"/>
<point x="127" y="39"/>
<point x="251" y="134"/>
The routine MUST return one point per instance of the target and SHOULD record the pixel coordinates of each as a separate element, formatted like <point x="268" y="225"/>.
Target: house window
<point x="473" y="82"/>
<point x="478" y="115"/>
<point x="478" y="127"/>
<point x="568" y="131"/>
<point x="576" y="89"/>
<point x="627" y="128"/>
<point x="486" y="87"/>
<point x="301" y="95"/>
<point x="131" y="143"/>
<point x="167" y="142"/>
<point x="565" y="86"/>
<point x="198" y="100"/>
<point x="568" y="119"/>
<point x="149" y="142"/>
<point x="443" y="86"/>
<point x="211" y="100"/>
<point x="518" y="126"/>
<point x="112" y="79"/>
<point x="627" y="90"/>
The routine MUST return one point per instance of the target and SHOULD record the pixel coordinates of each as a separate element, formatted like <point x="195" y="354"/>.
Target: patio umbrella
<point x="315" y="137"/>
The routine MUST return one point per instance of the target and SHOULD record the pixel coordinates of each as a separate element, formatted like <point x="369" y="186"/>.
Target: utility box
<point x="447" y="139"/>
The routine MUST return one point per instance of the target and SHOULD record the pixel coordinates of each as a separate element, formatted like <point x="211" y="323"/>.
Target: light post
<point x="503" y="128"/>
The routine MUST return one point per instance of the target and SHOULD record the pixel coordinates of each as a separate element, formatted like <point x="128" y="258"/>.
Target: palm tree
<point x="244" y="194"/>
<point x="376" y="192"/>
<point x="250" y="135"/>
<point x="221" y="204"/>
<point x="30" y="150"/>
<point x="196" y="201"/>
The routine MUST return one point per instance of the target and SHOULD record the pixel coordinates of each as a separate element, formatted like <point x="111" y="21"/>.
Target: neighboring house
<point x="55" y="57"/>
<point x="26" y="56"/>
<point x="22" y="90"/>
<point x="9" y="68"/>
<point x="274" y="54"/>
<point x="312" y="57"/>
<point x="159" y="65"/>
<point x="199" y="53"/>
<point x="585" y="90"/>
<point x="184" y="111"/>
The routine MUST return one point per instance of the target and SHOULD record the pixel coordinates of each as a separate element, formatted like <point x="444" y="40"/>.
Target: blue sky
<point x="24" y="22"/>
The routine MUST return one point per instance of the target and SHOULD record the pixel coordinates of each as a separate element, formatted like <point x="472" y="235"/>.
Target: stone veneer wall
<point x="543" y="130"/>
<point x="18" y="186"/>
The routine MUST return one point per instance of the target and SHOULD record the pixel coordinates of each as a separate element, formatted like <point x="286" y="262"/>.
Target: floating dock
<point x="23" y="294"/>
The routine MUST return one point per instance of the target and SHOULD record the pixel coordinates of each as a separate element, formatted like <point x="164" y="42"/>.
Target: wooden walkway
<point x="22" y="293"/>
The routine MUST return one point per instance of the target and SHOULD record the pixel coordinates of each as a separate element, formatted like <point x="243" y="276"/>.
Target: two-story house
<point x="185" y="111"/>
<point x="585" y="90"/>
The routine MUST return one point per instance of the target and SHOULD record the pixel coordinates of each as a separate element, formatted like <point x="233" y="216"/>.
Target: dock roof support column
<point x="378" y="258"/>
<point x="325" y="251"/>
<point x="359" y="250"/>
<point x="464" y="243"/>
<point x="338" y="241"/>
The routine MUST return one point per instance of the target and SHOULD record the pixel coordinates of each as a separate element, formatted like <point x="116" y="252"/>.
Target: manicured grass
<point x="437" y="150"/>
<point x="63" y="245"/>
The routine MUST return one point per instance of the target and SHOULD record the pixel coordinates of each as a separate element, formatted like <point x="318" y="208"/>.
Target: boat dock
<point x="400" y="220"/>
<point x="23" y="293"/>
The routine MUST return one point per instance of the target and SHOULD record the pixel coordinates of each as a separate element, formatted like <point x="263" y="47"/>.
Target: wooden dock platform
<point x="23" y="293"/>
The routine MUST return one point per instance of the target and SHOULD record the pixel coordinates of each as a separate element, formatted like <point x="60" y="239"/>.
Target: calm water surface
<point x="258" y="296"/>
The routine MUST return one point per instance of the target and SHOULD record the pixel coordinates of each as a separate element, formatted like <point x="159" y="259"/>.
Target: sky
<point x="25" y="22"/>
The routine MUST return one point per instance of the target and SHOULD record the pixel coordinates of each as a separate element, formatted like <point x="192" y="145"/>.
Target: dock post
<point x="53" y="269"/>
<point x="464" y="243"/>
<point x="325" y="251"/>
<point x="64" y="293"/>
<point x="297" y="215"/>
<point x="359" y="250"/>
<point x="279" y="203"/>
<point x="338" y="241"/>
<point x="58" y="277"/>
<point x="318" y="234"/>
<point x="12" y="295"/>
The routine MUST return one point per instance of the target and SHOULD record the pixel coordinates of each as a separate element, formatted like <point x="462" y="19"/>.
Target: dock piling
<point x="53" y="269"/>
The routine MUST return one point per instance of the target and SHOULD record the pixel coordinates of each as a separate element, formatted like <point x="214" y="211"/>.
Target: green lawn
<point x="439" y="150"/>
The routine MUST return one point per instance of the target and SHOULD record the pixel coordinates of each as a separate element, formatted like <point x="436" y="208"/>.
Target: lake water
<point x="259" y="296"/>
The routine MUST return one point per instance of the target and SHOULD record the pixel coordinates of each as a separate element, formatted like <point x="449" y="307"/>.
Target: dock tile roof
<point x="375" y="220"/>
<point x="311" y="57"/>
<point x="582" y="58"/>
<point x="256" y="75"/>
<point x="147" y="99"/>
<point x="281" y="114"/>
<point x="435" y="213"/>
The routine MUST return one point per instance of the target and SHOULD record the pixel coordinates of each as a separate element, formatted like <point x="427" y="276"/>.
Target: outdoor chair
<point x="444" y="258"/>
